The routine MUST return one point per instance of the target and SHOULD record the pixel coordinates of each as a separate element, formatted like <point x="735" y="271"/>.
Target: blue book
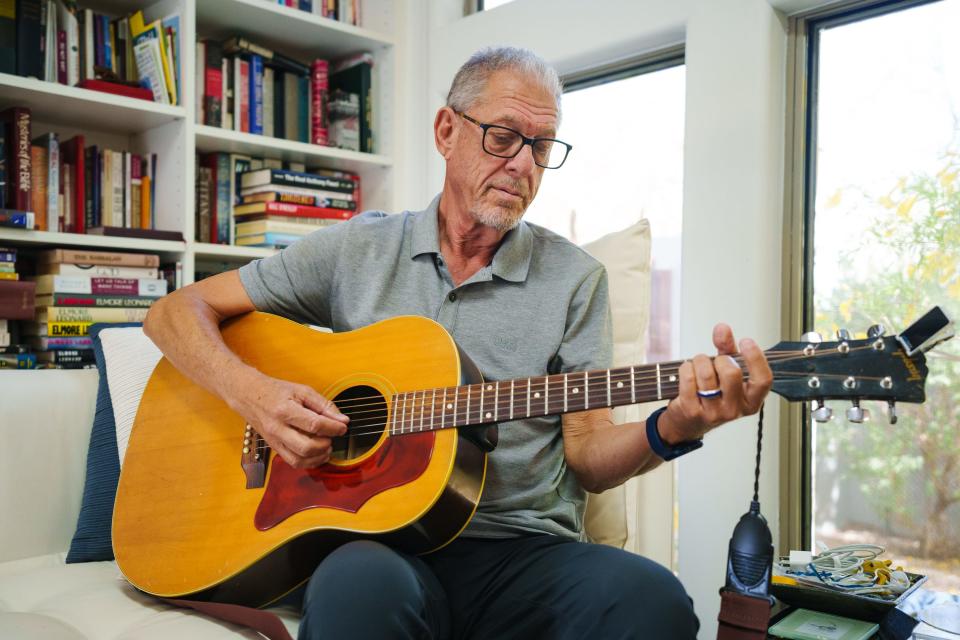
<point x="256" y="94"/>
<point x="14" y="218"/>
<point x="224" y="207"/>
<point x="306" y="5"/>
<point x="8" y="255"/>
<point x="269" y="239"/>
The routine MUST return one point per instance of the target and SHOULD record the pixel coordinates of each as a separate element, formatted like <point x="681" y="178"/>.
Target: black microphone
<point x="750" y="555"/>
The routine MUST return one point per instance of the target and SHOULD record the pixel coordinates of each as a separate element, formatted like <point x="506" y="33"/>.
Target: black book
<point x="357" y="79"/>
<point x="132" y="232"/>
<point x="8" y="36"/>
<point x="30" y="33"/>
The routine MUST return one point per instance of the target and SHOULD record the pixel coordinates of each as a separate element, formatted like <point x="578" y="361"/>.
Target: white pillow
<point x="626" y="255"/>
<point x="130" y="358"/>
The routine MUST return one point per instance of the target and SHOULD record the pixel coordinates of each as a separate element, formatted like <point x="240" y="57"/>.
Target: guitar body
<point x="186" y="525"/>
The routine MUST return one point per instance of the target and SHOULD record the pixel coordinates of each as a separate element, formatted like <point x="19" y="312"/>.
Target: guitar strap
<point x="264" y="622"/>
<point x="742" y="617"/>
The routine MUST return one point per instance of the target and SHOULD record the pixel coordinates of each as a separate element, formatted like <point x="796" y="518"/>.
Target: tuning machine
<point x="856" y="414"/>
<point x="821" y="412"/>
<point x="876" y="331"/>
<point x="892" y="411"/>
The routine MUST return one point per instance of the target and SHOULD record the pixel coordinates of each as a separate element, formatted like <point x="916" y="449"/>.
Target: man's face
<point x="499" y="190"/>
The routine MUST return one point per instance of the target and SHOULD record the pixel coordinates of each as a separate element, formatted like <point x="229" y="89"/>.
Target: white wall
<point x="732" y="215"/>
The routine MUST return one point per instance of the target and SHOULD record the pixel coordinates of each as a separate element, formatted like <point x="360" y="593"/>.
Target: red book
<point x="62" y="56"/>
<point x="16" y="124"/>
<point x="296" y="210"/>
<point x="117" y="89"/>
<point x="319" y="95"/>
<point x="71" y="153"/>
<point x="210" y="161"/>
<point x="17" y="299"/>
<point x="241" y="93"/>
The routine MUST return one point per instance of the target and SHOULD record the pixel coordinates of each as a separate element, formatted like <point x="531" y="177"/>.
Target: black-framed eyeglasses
<point x="504" y="142"/>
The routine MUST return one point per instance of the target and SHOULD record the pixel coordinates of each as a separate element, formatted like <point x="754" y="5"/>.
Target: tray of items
<point x="849" y="581"/>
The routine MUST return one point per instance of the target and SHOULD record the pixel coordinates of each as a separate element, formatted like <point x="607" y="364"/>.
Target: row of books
<point x="56" y="41"/>
<point x="269" y="207"/>
<point x="74" y="289"/>
<point x="69" y="186"/>
<point x="347" y="11"/>
<point x="246" y="87"/>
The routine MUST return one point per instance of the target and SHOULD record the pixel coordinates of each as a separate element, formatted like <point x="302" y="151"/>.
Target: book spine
<point x="90" y="158"/>
<point x="240" y="85"/>
<point x="256" y="94"/>
<point x="284" y="177"/>
<point x="319" y="97"/>
<point x="82" y="256"/>
<point x="62" y="329"/>
<point x="38" y="197"/>
<point x="8" y="36"/>
<point x="19" y="154"/>
<point x="53" y="182"/>
<point x="100" y="270"/>
<point x="303" y="108"/>
<point x="8" y="256"/>
<point x="269" y="102"/>
<point x="29" y="39"/>
<point x="213" y="84"/>
<point x="95" y="314"/>
<point x="65" y="343"/>
<point x="116" y="188"/>
<point x="286" y="209"/>
<point x="18" y="219"/>
<point x="223" y="177"/>
<point x="61" y="56"/>
<point x="72" y="300"/>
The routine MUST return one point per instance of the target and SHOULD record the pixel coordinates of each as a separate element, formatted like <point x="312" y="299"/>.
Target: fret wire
<point x="393" y="416"/>
<point x="433" y="408"/>
<point x="511" y="399"/>
<point x="443" y="412"/>
<point x="423" y="407"/>
<point x="659" y="388"/>
<point x="403" y="414"/>
<point x="546" y="394"/>
<point x="528" y="396"/>
<point x="466" y="415"/>
<point x="480" y="411"/>
<point x="413" y="411"/>
<point x="608" y="387"/>
<point x="633" y="386"/>
<point x="564" y="393"/>
<point x="496" y="400"/>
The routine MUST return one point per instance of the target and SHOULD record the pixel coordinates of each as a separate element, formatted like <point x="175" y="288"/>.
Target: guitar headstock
<point x="886" y="368"/>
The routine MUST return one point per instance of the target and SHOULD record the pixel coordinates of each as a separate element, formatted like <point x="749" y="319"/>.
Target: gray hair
<point x="471" y="80"/>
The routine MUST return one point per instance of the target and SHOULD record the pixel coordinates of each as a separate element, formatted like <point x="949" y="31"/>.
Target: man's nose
<point x="522" y="164"/>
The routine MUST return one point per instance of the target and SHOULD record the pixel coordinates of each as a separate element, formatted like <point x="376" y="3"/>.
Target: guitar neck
<point x="521" y="398"/>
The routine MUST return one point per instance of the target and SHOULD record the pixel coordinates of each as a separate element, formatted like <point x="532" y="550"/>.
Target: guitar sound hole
<point x="367" y="410"/>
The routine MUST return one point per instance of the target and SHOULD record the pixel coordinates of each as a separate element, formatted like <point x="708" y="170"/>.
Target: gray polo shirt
<point x="540" y="307"/>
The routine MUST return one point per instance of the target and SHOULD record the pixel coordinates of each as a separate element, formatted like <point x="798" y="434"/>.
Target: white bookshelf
<point x="171" y="131"/>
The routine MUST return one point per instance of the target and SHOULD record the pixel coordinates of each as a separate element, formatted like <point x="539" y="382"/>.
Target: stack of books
<point x="53" y="185"/>
<point x="16" y="303"/>
<point x="244" y="86"/>
<point x="56" y="41"/>
<point x="347" y="11"/>
<point x="280" y="206"/>
<point x="77" y="288"/>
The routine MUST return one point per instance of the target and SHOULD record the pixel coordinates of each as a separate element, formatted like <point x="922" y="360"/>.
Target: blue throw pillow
<point x="92" y="540"/>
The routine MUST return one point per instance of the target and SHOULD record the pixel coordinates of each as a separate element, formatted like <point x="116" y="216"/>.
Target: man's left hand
<point x="689" y="416"/>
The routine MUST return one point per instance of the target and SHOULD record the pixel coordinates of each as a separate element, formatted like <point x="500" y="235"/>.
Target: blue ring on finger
<point x="710" y="393"/>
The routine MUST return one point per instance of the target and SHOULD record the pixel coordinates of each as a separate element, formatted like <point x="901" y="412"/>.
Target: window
<point x="626" y="164"/>
<point x="884" y="232"/>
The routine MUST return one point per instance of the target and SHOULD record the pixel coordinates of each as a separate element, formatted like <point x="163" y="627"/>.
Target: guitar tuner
<point x="821" y="412"/>
<point x="876" y="331"/>
<point x="856" y="414"/>
<point x="892" y="411"/>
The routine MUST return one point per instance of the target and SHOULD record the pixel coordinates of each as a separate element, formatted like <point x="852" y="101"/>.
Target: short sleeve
<point x="588" y="338"/>
<point x="297" y="283"/>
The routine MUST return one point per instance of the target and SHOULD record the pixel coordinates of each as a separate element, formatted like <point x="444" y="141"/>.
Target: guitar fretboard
<point x="521" y="398"/>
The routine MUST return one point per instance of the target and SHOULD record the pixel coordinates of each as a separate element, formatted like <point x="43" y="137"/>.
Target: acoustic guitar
<point x="206" y="511"/>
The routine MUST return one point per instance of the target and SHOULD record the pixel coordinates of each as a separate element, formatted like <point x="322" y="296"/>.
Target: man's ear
<point x="445" y="131"/>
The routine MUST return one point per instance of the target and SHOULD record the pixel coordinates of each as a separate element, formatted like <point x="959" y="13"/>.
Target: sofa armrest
<point x="45" y="422"/>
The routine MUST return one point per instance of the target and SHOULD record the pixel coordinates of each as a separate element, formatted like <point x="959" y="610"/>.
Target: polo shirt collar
<point x="510" y="262"/>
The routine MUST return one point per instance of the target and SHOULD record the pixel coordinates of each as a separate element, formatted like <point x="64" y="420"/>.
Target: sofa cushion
<point x="42" y="597"/>
<point x="125" y="357"/>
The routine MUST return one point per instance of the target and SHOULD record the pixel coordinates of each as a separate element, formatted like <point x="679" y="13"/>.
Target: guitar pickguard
<point x="398" y="461"/>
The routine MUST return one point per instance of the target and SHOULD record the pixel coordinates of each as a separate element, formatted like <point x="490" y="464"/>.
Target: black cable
<point x="756" y="475"/>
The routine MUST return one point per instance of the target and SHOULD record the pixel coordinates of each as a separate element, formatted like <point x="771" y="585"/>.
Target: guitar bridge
<point x="253" y="458"/>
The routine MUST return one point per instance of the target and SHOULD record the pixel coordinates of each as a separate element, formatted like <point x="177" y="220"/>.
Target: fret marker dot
<point x="619" y="385"/>
<point x="576" y="389"/>
<point x="673" y="378"/>
<point x="449" y="405"/>
<point x="489" y="387"/>
<point x="489" y="415"/>
<point x="536" y="395"/>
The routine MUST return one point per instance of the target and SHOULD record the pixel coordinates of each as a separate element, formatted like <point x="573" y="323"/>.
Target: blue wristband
<point x="661" y="448"/>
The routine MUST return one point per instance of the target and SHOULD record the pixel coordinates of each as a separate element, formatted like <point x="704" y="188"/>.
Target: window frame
<point x="796" y="464"/>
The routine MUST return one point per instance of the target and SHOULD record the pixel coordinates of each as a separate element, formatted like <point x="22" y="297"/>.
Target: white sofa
<point x="45" y="423"/>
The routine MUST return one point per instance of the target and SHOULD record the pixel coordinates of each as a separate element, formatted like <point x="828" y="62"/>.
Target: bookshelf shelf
<point x="292" y="31"/>
<point x="227" y="251"/>
<point x="217" y="139"/>
<point x="59" y="104"/>
<point x="21" y="237"/>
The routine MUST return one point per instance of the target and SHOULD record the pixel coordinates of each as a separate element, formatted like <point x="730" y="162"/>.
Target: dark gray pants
<point x="531" y="587"/>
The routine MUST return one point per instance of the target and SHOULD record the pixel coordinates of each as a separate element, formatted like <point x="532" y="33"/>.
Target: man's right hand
<point x="295" y="420"/>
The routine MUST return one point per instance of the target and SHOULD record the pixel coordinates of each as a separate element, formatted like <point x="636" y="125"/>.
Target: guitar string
<point x="351" y="403"/>
<point x="539" y="383"/>
<point x="359" y="427"/>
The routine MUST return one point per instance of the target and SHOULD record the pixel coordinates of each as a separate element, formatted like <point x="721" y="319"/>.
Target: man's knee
<point x="363" y="577"/>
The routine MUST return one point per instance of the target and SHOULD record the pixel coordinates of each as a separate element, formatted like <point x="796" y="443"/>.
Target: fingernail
<point x="341" y="416"/>
<point x="733" y="361"/>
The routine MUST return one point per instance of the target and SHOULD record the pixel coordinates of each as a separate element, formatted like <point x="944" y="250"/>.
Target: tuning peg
<point x="821" y="412"/>
<point x="812" y="337"/>
<point x="843" y="335"/>
<point x="876" y="331"/>
<point x="892" y="411"/>
<point x="856" y="414"/>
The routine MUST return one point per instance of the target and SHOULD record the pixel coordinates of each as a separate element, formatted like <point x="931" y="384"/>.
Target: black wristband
<point x="662" y="449"/>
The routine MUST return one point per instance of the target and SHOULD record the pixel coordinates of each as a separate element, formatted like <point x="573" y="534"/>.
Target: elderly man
<point x="522" y="302"/>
